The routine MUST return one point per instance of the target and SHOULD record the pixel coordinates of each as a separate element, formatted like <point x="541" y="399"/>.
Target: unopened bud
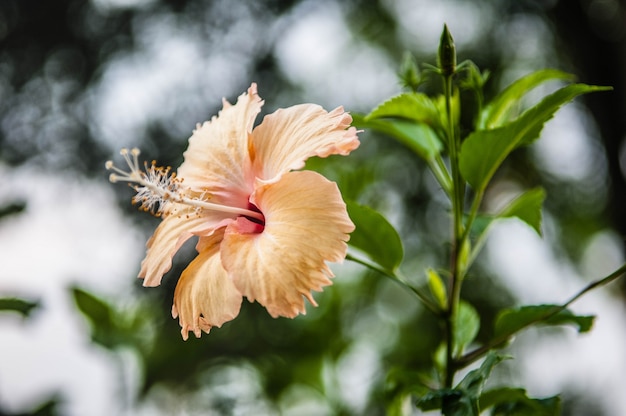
<point x="446" y="58"/>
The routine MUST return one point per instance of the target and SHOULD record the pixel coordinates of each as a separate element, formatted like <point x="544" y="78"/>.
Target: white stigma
<point x="158" y="186"/>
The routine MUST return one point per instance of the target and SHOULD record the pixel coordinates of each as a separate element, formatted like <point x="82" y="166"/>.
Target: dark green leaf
<point x="510" y="321"/>
<point x="466" y="328"/>
<point x="474" y="381"/>
<point x="95" y="309"/>
<point x="434" y="399"/>
<point x="463" y="400"/>
<point x="375" y="237"/>
<point x="498" y="111"/>
<point x="527" y="207"/>
<point x="48" y="408"/>
<point x="12" y="209"/>
<point x="507" y="401"/>
<point x="418" y="137"/>
<point x="485" y="150"/>
<point x="109" y="328"/>
<point x="20" y="306"/>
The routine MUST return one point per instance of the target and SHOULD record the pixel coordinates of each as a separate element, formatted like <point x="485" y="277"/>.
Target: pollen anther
<point x="158" y="187"/>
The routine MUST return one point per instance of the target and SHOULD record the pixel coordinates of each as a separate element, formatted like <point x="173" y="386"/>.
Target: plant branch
<point x="458" y="191"/>
<point x="440" y="171"/>
<point x="393" y="276"/>
<point x="479" y="352"/>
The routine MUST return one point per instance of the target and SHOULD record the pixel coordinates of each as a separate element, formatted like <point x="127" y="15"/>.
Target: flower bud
<point x="446" y="58"/>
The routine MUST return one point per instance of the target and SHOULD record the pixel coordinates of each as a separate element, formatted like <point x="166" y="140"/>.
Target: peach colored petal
<point x="169" y="236"/>
<point x="306" y="225"/>
<point x="287" y="138"/>
<point x="217" y="158"/>
<point x="205" y="296"/>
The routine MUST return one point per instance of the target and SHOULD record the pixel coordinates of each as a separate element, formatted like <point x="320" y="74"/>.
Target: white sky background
<point x="72" y="231"/>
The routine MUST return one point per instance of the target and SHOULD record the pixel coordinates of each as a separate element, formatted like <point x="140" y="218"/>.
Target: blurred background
<point x="80" y="79"/>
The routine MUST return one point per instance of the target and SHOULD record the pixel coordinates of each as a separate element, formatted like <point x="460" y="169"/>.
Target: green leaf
<point x="434" y="399"/>
<point x="498" y="111"/>
<point x="527" y="207"/>
<point x="514" y="401"/>
<point x="50" y="407"/>
<point x="466" y="328"/>
<point x="463" y="400"/>
<point x="109" y="328"/>
<point x="485" y="150"/>
<point x="481" y="224"/>
<point x="455" y="107"/>
<point x="475" y="79"/>
<point x="398" y="405"/>
<point x="511" y="321"/>
<point x="414" y="106"/>
<point x="409" y="73"/>
<point x="583" y="323"/>
<point x="375" y="237"/>
<point x="93" y="308"/>
<point x="474" y="381"/>
<point x="20" y="306"/>
<point x="12" y="209"/>
<point x="437" y="288"/>
<point x="418" y="137"/>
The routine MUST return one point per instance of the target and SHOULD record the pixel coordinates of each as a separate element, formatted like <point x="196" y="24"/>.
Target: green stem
<point x="402" y="282"/>
<point x="478" y="245"/>
<point x="458" y="186"/>
<point x="458" y="192"/>
<point x="478" y="198"/>
<point x="472" y="356"/>
<point x="440" y="171"/>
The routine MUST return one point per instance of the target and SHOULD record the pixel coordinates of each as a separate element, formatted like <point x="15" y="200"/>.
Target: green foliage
<point x="437" y="288"/>
<point x="484" y="150"/>
<point x="466" y="328"/>
<point x="47" y="408"/>
<point x="499" y="111"/>
<point x="420" y="138"/>
<point x="110" y="328"/>
<point x="511" y="321"/>
<point x="420" y="109"/>
<point x="12" y="209"/>
<point x="21" y="306"/>
<point x="375" y="237"/>
<point x="509" y="401"/>
<point x="417" y="107"/>
<point x="527" y="207"/>
<point x="463" y="400"/>
<point x="409" y="73"/>
<point x="430" y="128"/>
<point x="475" y="80"/>
<point x="402" y="384"/>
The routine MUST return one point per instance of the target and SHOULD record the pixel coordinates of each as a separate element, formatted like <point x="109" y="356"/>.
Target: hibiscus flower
<point x="265" y="229"/>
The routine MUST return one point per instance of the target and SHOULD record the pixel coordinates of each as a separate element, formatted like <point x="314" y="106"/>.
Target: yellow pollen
<point x="156" y="188"/>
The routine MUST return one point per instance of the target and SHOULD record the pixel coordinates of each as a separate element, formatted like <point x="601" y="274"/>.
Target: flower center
<point x="253" y="208"/>
<point x="158" y="186"/>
